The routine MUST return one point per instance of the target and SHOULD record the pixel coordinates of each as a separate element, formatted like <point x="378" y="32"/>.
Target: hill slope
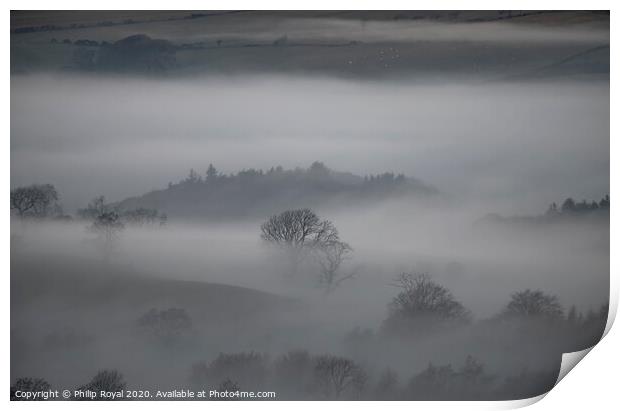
<point x="81" y="285"/>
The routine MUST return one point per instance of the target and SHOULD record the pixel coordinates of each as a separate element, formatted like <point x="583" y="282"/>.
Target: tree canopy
<point x="299" y="228"/>
<point x="533" y="304"/>
<point x="422" y="302"/>
<point x="36" y="200"/>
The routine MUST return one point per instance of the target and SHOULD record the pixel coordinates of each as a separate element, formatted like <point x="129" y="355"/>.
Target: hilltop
<point x="257" y="193"/>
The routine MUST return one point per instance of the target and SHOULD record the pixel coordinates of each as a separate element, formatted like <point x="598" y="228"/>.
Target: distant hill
<point x="410" y="45"/>
<point x="28" y="21"/>
<point x="257" y="193"/>
<point x="569" y="211"/>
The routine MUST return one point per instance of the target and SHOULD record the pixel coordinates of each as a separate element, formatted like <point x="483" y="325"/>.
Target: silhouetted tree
<point x="299" y="228"/>
<point x="330" y="257"/>
<point x="36" y="200"/>
<point x="335" y="375"/>
<point x="193" y="177"/>
<point x="318" y="169"/>
<point x="107" y="226"/>
<point x="568" y="206"/>
<point x="422" y="304"/>
<point x="533" y="305"/>
<point x="470" y="382"/>
<point x="299" y="231"/>
<point x="212" y="173"/>
<point x="105" y="380"/>
<point x="552" y="211"/>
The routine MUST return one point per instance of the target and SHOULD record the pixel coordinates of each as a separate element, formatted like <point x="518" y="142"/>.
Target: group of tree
<point x="256" y="192"/>
<point x="41" y="201"/>
<point x="570" y="207"/>
<point x="317" y="172"/>
<point x="299" y="375"/>
<point x="424" y="307"/>
<point x="106" y="220"/>
<point x="570" y="210"/>
<point x="296" y="373"/>
<point x="104" y="380"/>
<point x="138" y="217"/>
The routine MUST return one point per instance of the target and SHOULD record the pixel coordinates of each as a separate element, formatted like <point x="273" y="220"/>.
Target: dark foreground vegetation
<point x="533" y="325"/>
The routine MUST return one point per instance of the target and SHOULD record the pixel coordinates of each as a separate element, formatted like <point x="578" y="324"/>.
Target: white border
<point x="592" y="385"/>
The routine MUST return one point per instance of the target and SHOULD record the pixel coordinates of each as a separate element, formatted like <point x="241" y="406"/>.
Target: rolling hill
<point x="255" y="193"/>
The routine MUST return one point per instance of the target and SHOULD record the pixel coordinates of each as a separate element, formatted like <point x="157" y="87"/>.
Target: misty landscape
<point x="323" y="205"/>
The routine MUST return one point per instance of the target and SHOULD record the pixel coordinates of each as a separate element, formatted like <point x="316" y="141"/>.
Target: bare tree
<point x="107" y="226"/>
<point x="330" y="257"/>
<point x="300" y="232"/>
<point x="423" y="303"/>
<point x="105" y="380"/>
<point x="299" y="228"/>
<point x="335" y="375"/>
<point x="36" y="200"/>
<point x="533" y="304"/>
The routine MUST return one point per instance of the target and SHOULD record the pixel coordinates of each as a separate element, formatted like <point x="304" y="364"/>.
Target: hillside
<point x="569" y="212"/>
<point x="352" y="44"/>
<point x="91" y="286"/>
<point x="255" y="193"/>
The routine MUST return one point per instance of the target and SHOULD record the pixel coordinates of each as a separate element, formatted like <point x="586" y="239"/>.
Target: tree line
<point x="106" y="220"/>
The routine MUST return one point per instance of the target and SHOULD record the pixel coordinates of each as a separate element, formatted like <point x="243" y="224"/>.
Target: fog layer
<point x="492" y="142"/>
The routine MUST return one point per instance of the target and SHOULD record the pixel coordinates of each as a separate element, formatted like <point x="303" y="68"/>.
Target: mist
<point x="463" y="153"/>
<point x="122" y="136"/>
